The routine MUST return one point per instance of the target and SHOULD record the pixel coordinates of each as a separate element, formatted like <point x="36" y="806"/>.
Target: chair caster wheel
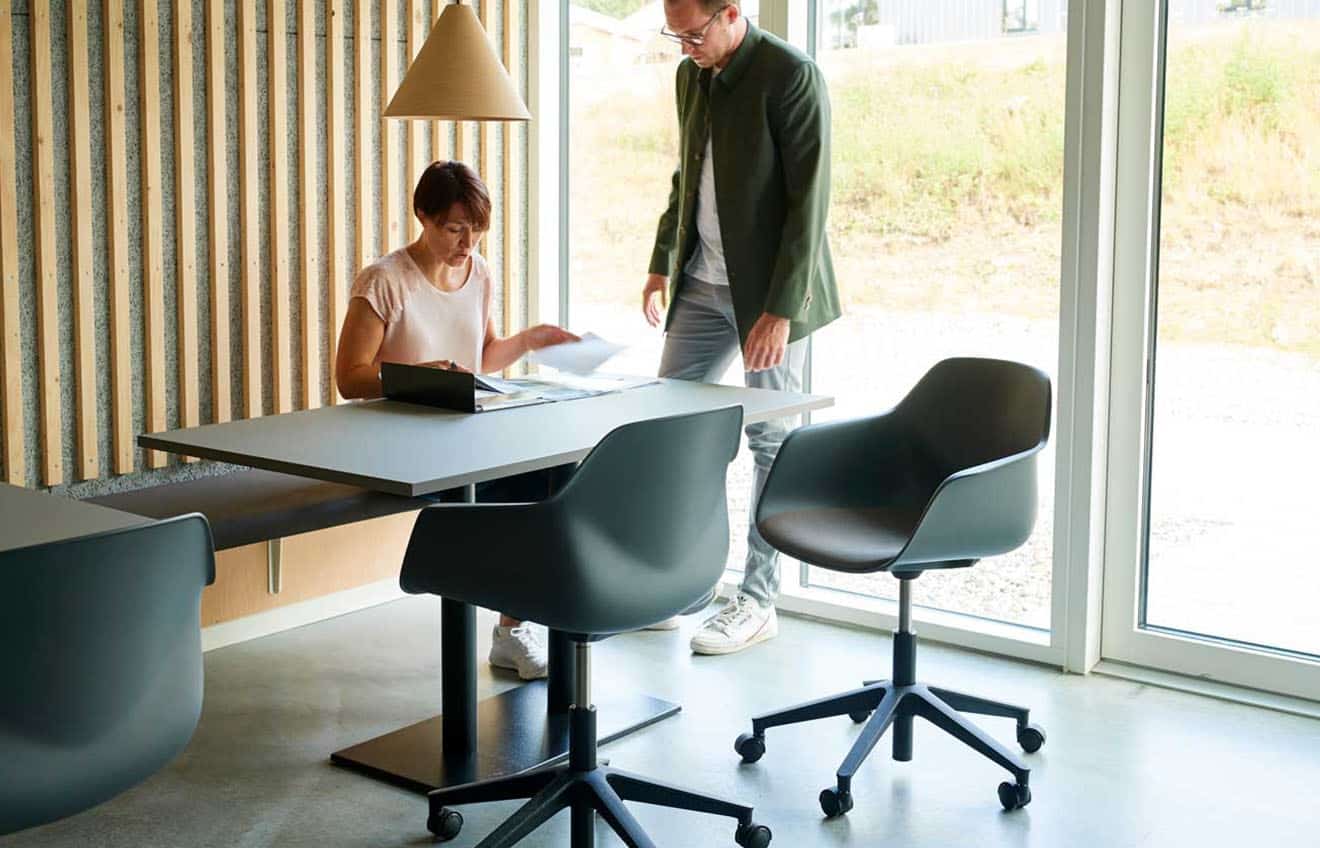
<point x="835" y="803"/>
<point x="1014" y="796"/>
<point x="752" y="835"/>
<point x="859" y="716"/>
<point x="750" y="747"/>
<point x="1031" y="738"/>
<point x="445" y="824"/>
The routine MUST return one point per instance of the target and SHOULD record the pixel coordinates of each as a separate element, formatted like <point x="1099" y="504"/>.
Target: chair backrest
<point x="969" y="411"/>
<point x="648" y="520"/>
<point x="101" y="663"/>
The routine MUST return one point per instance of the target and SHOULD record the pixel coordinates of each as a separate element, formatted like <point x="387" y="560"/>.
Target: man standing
<point x="743" y="242"/>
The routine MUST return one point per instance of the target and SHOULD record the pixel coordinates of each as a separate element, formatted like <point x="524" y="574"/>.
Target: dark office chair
<point x="101" y="658"/>
<point x="639" y="533"/>
<point x="945" y="478"/>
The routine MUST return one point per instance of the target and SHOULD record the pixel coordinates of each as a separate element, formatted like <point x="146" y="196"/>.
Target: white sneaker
<point x="742" y="623"/>
<point x="671" y="623"/>
<point x="519" y="649"/>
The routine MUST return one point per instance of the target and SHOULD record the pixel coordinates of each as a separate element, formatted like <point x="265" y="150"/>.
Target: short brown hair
<point x="443" y="184"/>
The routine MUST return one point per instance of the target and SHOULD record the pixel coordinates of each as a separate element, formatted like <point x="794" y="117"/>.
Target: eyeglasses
<point x="697" y="39"/>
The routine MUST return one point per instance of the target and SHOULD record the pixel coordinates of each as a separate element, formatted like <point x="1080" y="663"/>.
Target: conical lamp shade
<point x="457" y="76"/>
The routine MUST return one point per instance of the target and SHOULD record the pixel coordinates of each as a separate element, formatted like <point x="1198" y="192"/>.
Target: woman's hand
<point x="445" y="365"/>
<point x="654" y="298"/>
<point x="546" y="335"/>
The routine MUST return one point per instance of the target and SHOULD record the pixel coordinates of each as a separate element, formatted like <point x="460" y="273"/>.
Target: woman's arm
<point x="498" y="354"/>
<point x="356" y="370"/>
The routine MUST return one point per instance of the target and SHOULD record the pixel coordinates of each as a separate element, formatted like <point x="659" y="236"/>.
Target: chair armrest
<point x="977" y="512"/>
<point x="472" y="552"/>
<point x="837" y="463"/>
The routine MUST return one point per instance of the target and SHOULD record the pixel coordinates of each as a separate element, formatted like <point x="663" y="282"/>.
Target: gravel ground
<point x="1232" y="482"/>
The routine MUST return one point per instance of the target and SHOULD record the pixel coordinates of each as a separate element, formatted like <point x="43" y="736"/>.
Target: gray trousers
<point x="699" y="346"/>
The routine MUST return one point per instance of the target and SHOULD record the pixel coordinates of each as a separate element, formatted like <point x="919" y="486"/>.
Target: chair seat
<point x="841" y="539"/>
<point x="256" y="506"/>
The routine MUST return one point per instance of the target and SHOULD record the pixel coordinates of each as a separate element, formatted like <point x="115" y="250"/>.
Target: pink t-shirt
<point x="423" y="323"/>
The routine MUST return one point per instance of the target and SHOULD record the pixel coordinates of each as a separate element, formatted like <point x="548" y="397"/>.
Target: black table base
<point x="515" y="733"/>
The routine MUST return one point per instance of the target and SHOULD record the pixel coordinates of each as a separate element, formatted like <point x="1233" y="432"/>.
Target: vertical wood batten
<point x="248" y="218"/>
<point x="391" y="231"/>
<point x="309" y="206"/>
<point x="510" y="205"/>
<point x="336" y="281"/>
<point x="362" y="108"/>
<point x="11" y="399"/>
<point x="217" y="183"/>
<point x="153" y="258"/>
<point x="80" y="213"/>
<point x="116" y="202"/>
<point x="277" y="112"/>
<point x="185" y="225"/>
<point x="439" y="129"/>
<point x="416" y="129"/>
<point x="47" y="267"/>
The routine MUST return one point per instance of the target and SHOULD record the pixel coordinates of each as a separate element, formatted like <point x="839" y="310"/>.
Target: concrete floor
<point x="1125" y="764"/>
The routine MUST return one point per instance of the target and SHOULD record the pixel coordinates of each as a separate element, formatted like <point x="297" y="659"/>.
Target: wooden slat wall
<point x="43" y="150"/>
<point x="116" y="201"/>
<point x="248" y="220"/>
<point x="218" y="209"/>
<point x="362" y="108"/>
<point x="336" y="186"/>
<point x="167" y="213"/>
<point x="391" y="229"/>
<point x="153" y="238"/>
<point x="11" y="399"/>
<point x="278" y="188"/>
<point x="310" y="206"/>
<point x="80" y="217"/>
<point x="185" y="224"/>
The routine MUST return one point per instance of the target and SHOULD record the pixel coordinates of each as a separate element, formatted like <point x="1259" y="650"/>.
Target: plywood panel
<point x="80" y="218"/>
<point x="312" y="565"/>
<point x="248" y="144"/>
<point x="116" y="201"/>
<point x="185" y="224"/>
<point x="11" y="400"/>
<point x="153" y="213"/>
<point x="47" y="260"/>
<point x="336" y="184"/>
<point x="310" y="272"/>
<point x="218" y="182"/>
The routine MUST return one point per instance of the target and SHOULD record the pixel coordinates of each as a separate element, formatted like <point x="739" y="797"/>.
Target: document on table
<point x="581" y="357"/>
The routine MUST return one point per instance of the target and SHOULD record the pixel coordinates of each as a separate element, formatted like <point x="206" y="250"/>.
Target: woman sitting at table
<point x="429" y="302"/>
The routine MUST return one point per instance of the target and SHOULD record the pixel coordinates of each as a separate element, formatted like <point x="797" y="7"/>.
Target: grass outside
<point x="947" y="180"/>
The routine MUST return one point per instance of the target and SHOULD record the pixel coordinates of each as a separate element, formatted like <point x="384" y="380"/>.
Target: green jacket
<point x="768" y="116"/>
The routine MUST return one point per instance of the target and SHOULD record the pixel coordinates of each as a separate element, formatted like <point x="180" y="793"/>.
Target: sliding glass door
<point x="948" y="131"/>
<point x="1214" y="570"/>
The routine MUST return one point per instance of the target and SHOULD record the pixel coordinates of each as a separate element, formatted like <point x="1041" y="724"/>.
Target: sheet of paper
<point x="580" y="357"/>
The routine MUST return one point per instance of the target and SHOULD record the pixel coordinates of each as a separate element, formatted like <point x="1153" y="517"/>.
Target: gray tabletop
<point x="29" y="517"/>
<point x="415" y="450"/>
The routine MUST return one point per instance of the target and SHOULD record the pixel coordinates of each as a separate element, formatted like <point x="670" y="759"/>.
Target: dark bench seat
<point x="258" y="506"/>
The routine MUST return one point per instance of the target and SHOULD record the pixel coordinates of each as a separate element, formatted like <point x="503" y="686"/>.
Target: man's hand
<point x="766" y="343"/>
<point x="655" y="298"/>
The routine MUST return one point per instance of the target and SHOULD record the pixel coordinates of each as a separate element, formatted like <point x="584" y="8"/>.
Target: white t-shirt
<point x="423" y="323"/>
<point x="707" y="261"/>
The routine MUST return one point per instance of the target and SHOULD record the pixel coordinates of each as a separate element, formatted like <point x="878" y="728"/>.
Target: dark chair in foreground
<point x="101" y="658"/>
<point x="639" y="533"/>
<point x="944" y="479"/>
